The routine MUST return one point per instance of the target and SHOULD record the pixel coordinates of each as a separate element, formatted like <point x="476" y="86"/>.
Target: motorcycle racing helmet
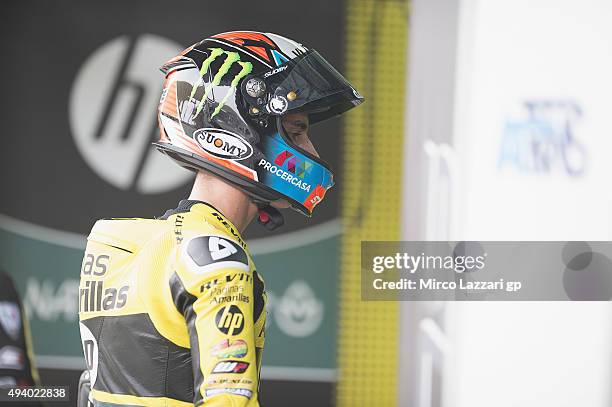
<point x="221" y="108"/>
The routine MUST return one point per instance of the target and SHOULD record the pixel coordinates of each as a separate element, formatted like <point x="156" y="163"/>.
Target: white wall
<point x="556" y="55"/>
<point x="512" y="52"/>
<point x="555" y="52"/>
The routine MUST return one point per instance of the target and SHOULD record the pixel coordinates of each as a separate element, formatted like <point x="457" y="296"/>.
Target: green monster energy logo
<point x="231" y="57"/>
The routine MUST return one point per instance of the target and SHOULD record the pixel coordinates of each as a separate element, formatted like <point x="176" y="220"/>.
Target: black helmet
<point x="221" y="110"/>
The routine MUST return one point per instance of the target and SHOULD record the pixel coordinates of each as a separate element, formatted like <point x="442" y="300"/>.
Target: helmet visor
<point x="308" y="83"/>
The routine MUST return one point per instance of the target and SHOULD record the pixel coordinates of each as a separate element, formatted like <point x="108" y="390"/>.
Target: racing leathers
<point x="172" y="311"/>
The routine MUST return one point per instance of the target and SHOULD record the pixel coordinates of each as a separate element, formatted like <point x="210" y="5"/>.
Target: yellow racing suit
<point x="172" y="311"/>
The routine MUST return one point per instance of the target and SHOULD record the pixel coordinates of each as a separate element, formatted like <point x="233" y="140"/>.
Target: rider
<point x="172" y="310"/>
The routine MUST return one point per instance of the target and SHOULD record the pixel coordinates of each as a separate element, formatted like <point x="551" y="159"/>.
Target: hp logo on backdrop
<point x="112" y="114"/>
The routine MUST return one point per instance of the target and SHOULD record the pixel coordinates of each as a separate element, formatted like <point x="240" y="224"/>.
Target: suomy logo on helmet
<point x="223" y="144"/>
<point x="294" y="164"/>
<point x="230" y="59"/>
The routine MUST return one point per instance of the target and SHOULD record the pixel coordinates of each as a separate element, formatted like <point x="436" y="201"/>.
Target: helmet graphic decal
<point x="294" y="164"/>
<point x="259" y="44"/>
<point x="278" y="57"/>
<point x="231" y="57"/>
<point x="297" y="176"/>
<point x="247" y="67"/>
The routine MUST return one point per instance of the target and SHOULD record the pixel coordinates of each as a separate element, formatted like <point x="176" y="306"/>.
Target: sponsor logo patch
<point x="230" y="298"/>
<point x="228" y="279"/>
<point x="275" y="71"/>
<point x="230" y="349"/>
<point x="221" y="381"/>
<point x="94" y="295"/>
<point x="240" y="392"/>
<point x="230" y="320"/>
<point x="293" y="164"/>
<point x="213" y="252"/>
<point x="228" y="294"/>
<point x="230" y="366"/>
<point x="284" y="175"/>
<point x="223" y="144"/>
<point x="230" y="59"/>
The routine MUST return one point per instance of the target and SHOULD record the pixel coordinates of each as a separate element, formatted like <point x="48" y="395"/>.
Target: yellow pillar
<point x="371" y="197"/>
